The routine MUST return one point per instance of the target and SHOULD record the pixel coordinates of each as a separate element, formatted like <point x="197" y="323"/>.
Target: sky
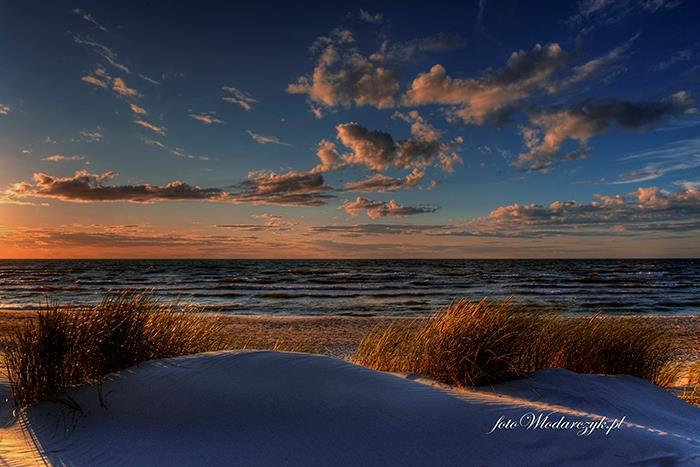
<point x="474" y="129"/>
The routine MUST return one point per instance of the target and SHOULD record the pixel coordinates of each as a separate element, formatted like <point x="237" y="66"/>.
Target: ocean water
<point x="364" y="287"/>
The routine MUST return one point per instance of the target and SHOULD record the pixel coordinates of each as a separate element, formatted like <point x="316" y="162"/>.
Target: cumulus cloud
<point x="645" y="209"/>
<point x="490" y="97"/>
<point x="207" y="118"/>
<point x="342" y="77"/>
<point x="265" y="139"/>
<point x="5" y="109"/>
<point x="151" y="126"/>
<point x="547" y="132"/>
<point x="291" y="188"/>
<point x="87" y="187"/>
<point x="375" y="209"/>
<point x="378" y="151"/>
<point x="137" y="109"/>
<point x="238" y="97"/>
<point x="62" y="158"/>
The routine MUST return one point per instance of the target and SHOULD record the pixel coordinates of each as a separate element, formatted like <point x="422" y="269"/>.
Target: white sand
<point x="270" y="408"/>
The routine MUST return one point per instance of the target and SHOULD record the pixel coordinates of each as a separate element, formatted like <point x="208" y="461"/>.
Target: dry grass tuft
<point x="486" y="342"/>
<point x="692" y="391"/>
<point x="65" y="347"/>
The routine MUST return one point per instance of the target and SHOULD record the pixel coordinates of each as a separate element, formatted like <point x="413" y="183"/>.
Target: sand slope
<point x="270" y="408"/>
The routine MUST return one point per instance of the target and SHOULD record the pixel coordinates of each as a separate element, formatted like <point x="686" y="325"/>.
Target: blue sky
<point x="349" y="129"/>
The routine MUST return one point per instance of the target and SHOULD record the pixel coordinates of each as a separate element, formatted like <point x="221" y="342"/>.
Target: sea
<point x="384" y="287"/>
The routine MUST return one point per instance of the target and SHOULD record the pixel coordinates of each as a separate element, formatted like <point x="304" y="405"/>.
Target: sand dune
<point x="271" y="408"/>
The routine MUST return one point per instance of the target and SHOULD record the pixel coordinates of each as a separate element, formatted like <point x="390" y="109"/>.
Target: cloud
<point x="62" y="158"/>
<point x="591" y="14"/>
<point x="547" y="132"/>
<point x="179" y="152"/>
<point x="85" y="187"/>
<point x="409" y="51"/>
<point x="273" y="223"/>
<point x="103" y="51"/>
<point x="207" y="118"/>
<point x="380" y="183"/>
<point x="95" y="81"/>
<point x="93" y="136"/>
<point x="291" y="189"/>
<point x="89" y="18"/>
<point x="150" y="126"/>
<point x="152" y="142"/>
<point x="378" y="151"/>
<point x="239" y="98"/>
<point x="5" y="109"/>
<point x="375" y="209"/>
<point x="374" y="18"/>
<point x="359" y="230"/>
<point x="680" y="56"/>
<point x="109" y="56"/>
<point x="119" y="86"/>
<point x="645" y="209"/>
<point x="263" y="139"/>
<point x="343" y="77"/>
<point x="491" y="96"/>
<point x="677" y="156"/>
<point x="137" y="109"/>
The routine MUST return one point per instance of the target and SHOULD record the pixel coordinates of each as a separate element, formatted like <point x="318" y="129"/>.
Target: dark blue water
<point x="372" y="287"/>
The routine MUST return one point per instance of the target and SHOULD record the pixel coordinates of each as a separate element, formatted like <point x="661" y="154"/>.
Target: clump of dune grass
<point x="692" y="390"/>
<point x="486" y="342"/>
<point x="68" y="346"/>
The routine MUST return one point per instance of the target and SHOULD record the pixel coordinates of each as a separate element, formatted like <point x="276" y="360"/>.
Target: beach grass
<point x="692" y="390"/>
<point x="68" y="346"/>
<point x="491" y="341"/>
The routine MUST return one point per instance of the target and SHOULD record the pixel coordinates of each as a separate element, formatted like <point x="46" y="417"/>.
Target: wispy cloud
<point x="151" y="126"/>
<point x="62" y="158"/>
<point x="138" y="109"/>
<point x="109" y="56"/>
<point x="265" y="139"/>
<point x="207" y="118"/>
<point x="373" y="18"/>
<point x="91" y="136"/>
<point x="678" y="156"/>
<point x="238" y="97"/>
<point x="89" y="18"/>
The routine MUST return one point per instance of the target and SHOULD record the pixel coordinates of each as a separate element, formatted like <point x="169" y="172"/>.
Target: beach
<point x="273" y="408"/>
<point x="339" y="335"/>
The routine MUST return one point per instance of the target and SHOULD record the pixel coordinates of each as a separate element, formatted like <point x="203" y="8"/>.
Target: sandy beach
<point x="338" y="335"/>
